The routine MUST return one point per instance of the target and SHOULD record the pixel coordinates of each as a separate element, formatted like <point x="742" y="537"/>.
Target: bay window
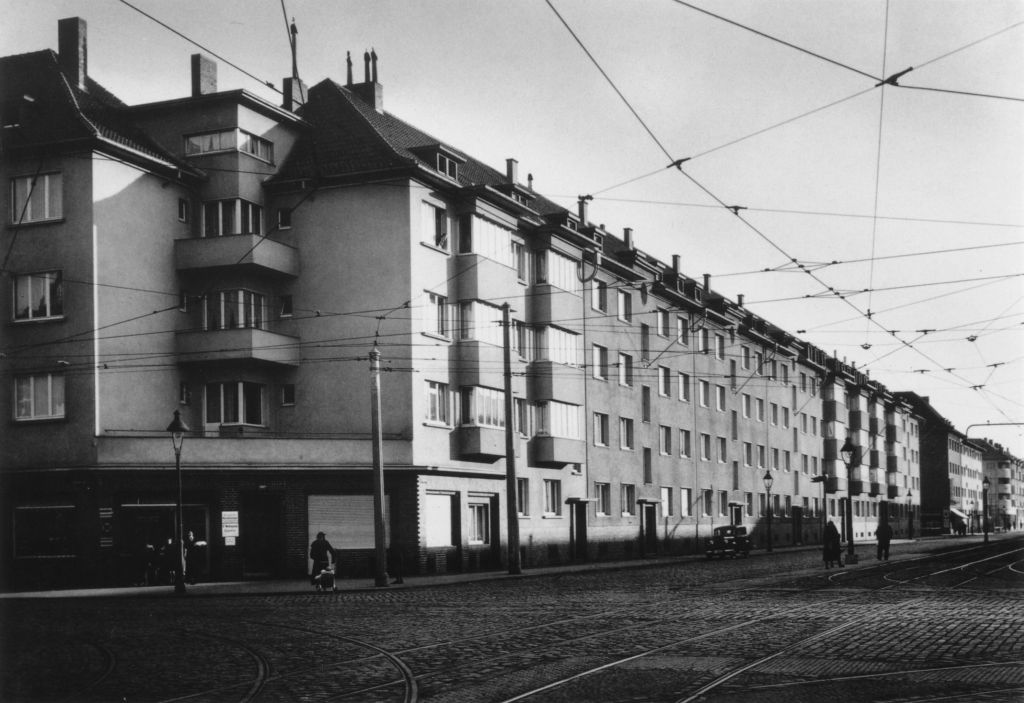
<point x="235" y="309"/>
<point x="556" y="419"/>
<point x="483" y="406"/>
<point x="233" y="216"/>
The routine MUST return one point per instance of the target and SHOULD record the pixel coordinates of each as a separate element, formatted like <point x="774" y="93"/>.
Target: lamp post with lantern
<point x="768" y="480"/>
<point x="178" y="428"/>
<point x="984" y="506"/>
<point x="849" y="454"/>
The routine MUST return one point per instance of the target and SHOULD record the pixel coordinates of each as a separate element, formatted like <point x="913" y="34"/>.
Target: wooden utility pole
<point x="380" y="569"/>
<point x="514" y="565"/>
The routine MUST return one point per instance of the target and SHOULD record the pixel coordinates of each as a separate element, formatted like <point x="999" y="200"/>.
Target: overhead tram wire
<point x="733" y="209"/>
<point x="828" y="295"/>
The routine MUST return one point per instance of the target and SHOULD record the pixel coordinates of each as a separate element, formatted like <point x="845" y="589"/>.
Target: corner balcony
<point x="893" y="492"/>
<point x="480" y="278"/>
<point x="552" y="381"/>
<point x="874" y="489"/>
<point x="857" y="487"/>
<point x="550" y="305"/>
<point x="236" y="250"/>
<point x="476" y="443"/>
<point x="237" y="345"/>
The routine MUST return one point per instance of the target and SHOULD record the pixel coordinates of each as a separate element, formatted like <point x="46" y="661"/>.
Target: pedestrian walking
<point x="884" y="536"/>
<point x="318" y="552"/>
<point x="831" y="546"/>
<point x="193" y="556"/>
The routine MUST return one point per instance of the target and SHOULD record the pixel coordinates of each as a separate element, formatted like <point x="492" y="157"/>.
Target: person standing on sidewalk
<point x="884" y="536"/>
<point x="318" y="552"/>
<point x="831" y="546"/>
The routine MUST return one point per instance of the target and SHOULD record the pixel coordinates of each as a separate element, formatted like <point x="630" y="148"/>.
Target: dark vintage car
<point x="728" y="541"/>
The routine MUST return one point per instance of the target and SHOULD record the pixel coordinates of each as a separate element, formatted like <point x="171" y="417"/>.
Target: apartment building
<point x="238" y="261"/>
<point x="1005" y="473"/>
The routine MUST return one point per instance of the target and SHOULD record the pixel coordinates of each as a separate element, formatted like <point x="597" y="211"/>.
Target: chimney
<point x="707" y="282"/>
<point x="348" y="68"/>
<point x="627" y="237"/>
<point x="584" y="220"/>
<point x="204" y="75"/>
<point x="72" y="49"/>
<point x="370" y="91"/>
<point x="675" y="264"/>
<point x="529" y="181"/>
<point x="512" y="170"/>
<point x="739" y="300"/>
<point x="295" y="93"/>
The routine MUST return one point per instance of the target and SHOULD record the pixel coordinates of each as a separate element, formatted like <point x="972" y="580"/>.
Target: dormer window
<point x="447" y="166"/>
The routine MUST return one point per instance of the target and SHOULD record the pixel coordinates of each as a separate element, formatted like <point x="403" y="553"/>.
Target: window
<point x="746" y="405"/>
<point x="523" y="340"/>
<point x="558" y="270"/>
<point x="184" y="394"/>
<point x="37" y="198"/>
<point x="625" y="370"/>
<point x="645" y="403"/>
<point x="286" y="308"/>
<point x="775" y="413"/>
<point x="723" y="502"/>
<point x="38" y="396"/>
<point x="664" y="381"/>
<point x="603" y="494"/>
<point x="601" y="429"/>
<point x="558" y="345"/>
<point x="720" y="347"/>
<point x="708" y="503"/>
<point x="666" y="502"/>
<point x="600" y="362"/>
<point x="628" y="499"/>
<point x="230" y="140"/>
<point x="284" y="218"/>
<point x="521" y="258"/>
<point x="557" y="419"/>
<point x="480" y="321"/>
<point x="745" y="357"/>
<point x="626" y="433"/>
<point x="720" y="398"/>
<point x="483" y="406"/>
<point x="522" y="419"/>
<point x="435" y="315"/>
<point x="523" y="497"/>
<point x="183" y="210"/>
<point x="684" y="444"/>
<point x="552" y="497"/>
<point x="785" y="418"/>
<point x="775" y="458"/>
<point x="479" y="523"/>
<point x="685" y="503"/>
<point x="723" y="453"/>
<point x="682" y="330"/>
<point x="599" y="296"/>
<point x="648" y="467"/>
<point x="486" y="238"/>
<point x="236" y="216"/>
<point x="437" y="402"/>
<point x="447" y="167"/>
<point x="662" y="322"/>
<point x="705" y="342"/>
<point x="749" y="497"/>
<point x="665" y="434"/>
<point x="234" y="403"/>
<point x="760" y="456"/>
<point x="434" y="225"/>
<point x="625" y="306"/>
<point x="235" y="309"/>
<point x="39" y="296"/>
<point x="748" y="454"/>
<point x="760" y="409"/>
<point x="645" y="343"/>
<point x="705" y="447"/>
<point x="288" y="394"/>
<point x="705" y="393"/>
<point x="684" y="387"/>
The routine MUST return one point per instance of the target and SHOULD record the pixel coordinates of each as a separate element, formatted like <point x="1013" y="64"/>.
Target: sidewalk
<point x="300" y="586"/>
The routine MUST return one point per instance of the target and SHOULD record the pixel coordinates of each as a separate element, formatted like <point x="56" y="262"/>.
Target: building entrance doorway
<point x="261" y="535"/>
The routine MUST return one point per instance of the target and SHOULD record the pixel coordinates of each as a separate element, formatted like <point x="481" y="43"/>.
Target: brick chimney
<point x="295" y="94"/>
<point x="72" y="49"/>
<point x="370" y="90"/>
<point x="204" y="75"/>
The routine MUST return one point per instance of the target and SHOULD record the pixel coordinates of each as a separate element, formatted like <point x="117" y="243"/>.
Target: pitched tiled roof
<point x="57" y="111"/>
<point x="350" y="137"/>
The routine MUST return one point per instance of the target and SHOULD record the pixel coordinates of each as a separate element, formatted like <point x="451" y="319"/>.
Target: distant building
<point x="1005" y="473"/>
<point x="237" y="261"/>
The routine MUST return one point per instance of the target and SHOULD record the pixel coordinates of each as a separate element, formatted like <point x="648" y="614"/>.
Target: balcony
<point x="480" y="278"/>
<point x="237" y="345"/>
<point x="830" y="411"/>
<point x="857" y="487"/>
<point x="893" y="492"/>
<point x="477" y="443"/>
<point x="237" y="250"/>
<point x="894" y="434"/>
<point x="874" y="488"/>
<point x="550" y="305"/>
<point x="481" y="364"/>
<point x="892" y="463"/>
<point x="858" y="420"/>
<point x="875" y="458"/>
<point x="551" y="381"/>
<point x="557" y="451"/>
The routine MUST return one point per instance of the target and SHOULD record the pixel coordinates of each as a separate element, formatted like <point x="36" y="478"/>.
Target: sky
<point x="882" y="223"/>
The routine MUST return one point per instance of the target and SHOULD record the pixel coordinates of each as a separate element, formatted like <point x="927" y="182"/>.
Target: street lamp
<point x="849" y="454"/>
<point x="177" y="428"/>
<point x="984" y="506"/>
<point x="768" y="480"/>
<point x="910" y="516"/>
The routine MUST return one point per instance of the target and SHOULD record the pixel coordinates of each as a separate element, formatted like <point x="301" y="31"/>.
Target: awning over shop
<point x="959" y="515"/>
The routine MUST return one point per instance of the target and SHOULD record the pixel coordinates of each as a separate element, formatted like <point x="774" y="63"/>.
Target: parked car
<point x="728" y="541"/>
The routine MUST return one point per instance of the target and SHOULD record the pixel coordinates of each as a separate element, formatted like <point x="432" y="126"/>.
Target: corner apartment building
<point x="237" y="261"/>
<point x="1005" y="473"/>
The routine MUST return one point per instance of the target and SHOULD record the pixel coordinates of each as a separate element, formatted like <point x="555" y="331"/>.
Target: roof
<point x="49" y="110"/>
<point x="350" y="137"/>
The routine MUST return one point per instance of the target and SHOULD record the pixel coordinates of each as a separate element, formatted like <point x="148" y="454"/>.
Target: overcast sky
<point x="828" y="166"/>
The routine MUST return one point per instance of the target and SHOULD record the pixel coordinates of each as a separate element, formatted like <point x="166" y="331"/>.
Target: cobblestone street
<point x="941" y="620"/>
